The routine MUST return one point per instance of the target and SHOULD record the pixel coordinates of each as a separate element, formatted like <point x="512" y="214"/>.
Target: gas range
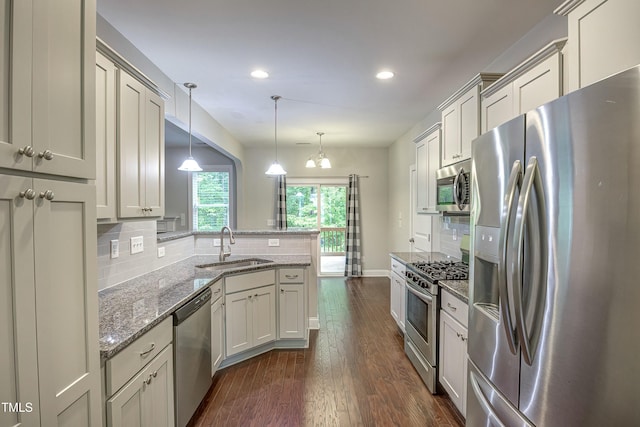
<point x="426" y="275"/>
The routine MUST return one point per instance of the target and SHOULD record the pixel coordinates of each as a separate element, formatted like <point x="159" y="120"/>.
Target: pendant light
<point x="321" y="160"/>
<point x="275" y="168"/>
<point x="190" y="164"/>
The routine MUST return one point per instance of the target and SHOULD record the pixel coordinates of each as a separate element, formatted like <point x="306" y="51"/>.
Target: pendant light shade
<point x="190" y="164"/>
<point x="275" y="168"/>
<point x="321" y="159"/>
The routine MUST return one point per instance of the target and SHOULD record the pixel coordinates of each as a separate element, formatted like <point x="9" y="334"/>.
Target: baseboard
<point x="314" y="323"/>
<point x="375" y="273"/>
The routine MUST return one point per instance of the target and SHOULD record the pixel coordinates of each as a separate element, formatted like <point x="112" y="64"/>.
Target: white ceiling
<point x="322" y="56"/>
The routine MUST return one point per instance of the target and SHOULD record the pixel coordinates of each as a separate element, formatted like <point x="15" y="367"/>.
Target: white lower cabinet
<point x="217" y="335"/>
<point x="397" y="293"/>
<point x="250" y="314"/>
<point x="49" y="355"/>
<point x="147" y="399"/>
<point x="453" y="350"/>
<point x="291" y="311"/>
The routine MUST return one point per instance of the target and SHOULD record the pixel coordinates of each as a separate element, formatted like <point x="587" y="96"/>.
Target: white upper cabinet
<point x="534" y="82"/>
<point x="140" y="149"/>
<point x="461" y="119"/>
<point x="47" y="106"/>
<point x="427" y="163"/>
<point x="106" y="85"/>
<point x="603" y="39"/>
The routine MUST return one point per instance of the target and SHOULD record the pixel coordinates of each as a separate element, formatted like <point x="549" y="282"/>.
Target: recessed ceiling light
<point x="384" y="75"/>
<point x="259" y="74"/>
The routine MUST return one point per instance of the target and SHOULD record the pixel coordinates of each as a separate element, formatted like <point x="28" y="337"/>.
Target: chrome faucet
<point x="223" y="254"/>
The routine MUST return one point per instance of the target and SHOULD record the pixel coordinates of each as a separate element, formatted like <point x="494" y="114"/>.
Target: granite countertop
<point x="459" y="288"/>
<point x="165" y="237"/>
<point x="131" y="308"/>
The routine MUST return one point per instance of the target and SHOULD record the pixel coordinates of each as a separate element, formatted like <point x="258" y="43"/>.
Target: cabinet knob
<point x="250" y="296"/>
<point x="48" y="194"/>
<point x="148" y="380"/>
<point x="46" y="154"/>
<point x="282" y="291"/>
<point x="27" y="150"/>
<point x="412" y="240"/>
<point x="256" y="295"/>
<point x="155" y="374"/>
<point x="28" y="194"/>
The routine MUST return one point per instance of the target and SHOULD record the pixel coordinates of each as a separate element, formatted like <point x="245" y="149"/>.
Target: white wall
<point x="260" y="195"/>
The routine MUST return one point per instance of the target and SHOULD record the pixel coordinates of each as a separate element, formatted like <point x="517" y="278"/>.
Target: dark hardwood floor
<point x="354" y="373"/>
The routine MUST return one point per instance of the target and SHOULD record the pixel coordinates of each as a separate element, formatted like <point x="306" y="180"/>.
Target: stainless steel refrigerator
<point x="554" y="315"/>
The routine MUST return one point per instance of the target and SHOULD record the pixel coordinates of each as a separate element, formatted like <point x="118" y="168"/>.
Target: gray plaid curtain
<point x="281" y="203"/>
<point x="353" y="264"/>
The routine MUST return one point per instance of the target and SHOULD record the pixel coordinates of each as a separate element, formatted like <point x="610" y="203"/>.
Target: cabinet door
<point x="397" y="289"/>
<point x="158" y="395"/>
<point x="433" y="164"/>
<point x="538" y="86"/>
<point x="497" y="108"/>
<point x="217" y="337"/>
<point x="131" y="131"/>
<point x="264" y="315"/>
<point x="63" y="107"/>
<point x="393" y="296"/>
<point x="15" y="82"/>
<point x="603" y="38"/>
<point x="154" y="154"/>
<point x="67" y="302"/>
<point x="105" y="137"/>
<point x="18" y="350"/>
<point x="450" y="134"/>
<point x="422" y="170"/>
<point x="126" y="408"/>
<point x="238" y="321"/>
<point x="292" y="311"/>
<point x="469" y="121"/>
<point x="453" y="359"/>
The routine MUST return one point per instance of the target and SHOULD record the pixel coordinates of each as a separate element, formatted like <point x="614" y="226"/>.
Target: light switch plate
<point x="115" y="249"/>
<point x="161" y="252"/>
<point x="137" y="245"/>
<point x="216" y="243"/>
<point x="274" y="242"/>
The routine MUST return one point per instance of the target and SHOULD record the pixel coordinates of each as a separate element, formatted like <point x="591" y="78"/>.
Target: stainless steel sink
<point x="224" y="265"/>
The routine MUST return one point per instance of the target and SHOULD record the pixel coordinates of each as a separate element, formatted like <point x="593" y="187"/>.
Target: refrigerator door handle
<point x="483" y="401"/>
<point x="505" y="229"/>
<point x="537" y="238"/>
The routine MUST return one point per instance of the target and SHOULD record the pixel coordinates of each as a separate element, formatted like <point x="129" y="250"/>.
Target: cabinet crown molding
<point x="131" y="69"/>
<point x="427" y="132"/>
<point x="480" y="78"/>
<point x="567" y="7"/>
<point x="526" y="65"/>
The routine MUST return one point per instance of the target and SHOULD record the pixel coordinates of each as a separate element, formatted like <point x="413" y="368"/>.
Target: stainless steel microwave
<point x="453" y="188"/>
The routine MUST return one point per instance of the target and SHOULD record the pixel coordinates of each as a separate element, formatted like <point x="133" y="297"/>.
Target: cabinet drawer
<point x="455" y="307"/>
<point x="291" y="275"/>
<point x="242" y="282"/>
<point x="216" y="291"/>
<point x="136" y="355"/>
<point x="398" y="267"/>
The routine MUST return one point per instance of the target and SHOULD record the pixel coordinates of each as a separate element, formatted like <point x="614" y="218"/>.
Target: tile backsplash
<point x="452" y="228"/>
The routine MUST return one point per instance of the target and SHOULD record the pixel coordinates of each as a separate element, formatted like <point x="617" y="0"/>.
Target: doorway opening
<point x="322" y="207"/>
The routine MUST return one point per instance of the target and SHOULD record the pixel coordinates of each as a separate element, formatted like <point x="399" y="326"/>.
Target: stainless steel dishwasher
<point x="191" y="355"/>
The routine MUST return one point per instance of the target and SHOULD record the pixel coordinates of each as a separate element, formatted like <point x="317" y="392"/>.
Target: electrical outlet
<point x="271" y="222"/>
<point x="455" y="234"/>
<point x="183" y="220"/>
<point x="115" y="249"/>
<point x="137" y="245"/>
<point x="161" y="252"/>
<point x="216" y="243"/>
<point x="274" y="242"/>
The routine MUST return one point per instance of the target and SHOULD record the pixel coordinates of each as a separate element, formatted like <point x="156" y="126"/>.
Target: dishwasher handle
<point x="191" y="307"/>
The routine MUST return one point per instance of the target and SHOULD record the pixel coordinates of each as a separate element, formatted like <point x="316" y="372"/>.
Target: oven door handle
<point x="456" y="183"/>
<point x="423" y="297"/>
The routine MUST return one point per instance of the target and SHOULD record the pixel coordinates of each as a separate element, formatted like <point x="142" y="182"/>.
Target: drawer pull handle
<point x="144" y="353"/>
<point x="217" y="291"/>
<point x="291" y="276"/>
<point x="452" y="307"/>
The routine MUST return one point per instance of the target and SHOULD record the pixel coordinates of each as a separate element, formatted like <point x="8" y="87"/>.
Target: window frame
<point x="213" y="168"/>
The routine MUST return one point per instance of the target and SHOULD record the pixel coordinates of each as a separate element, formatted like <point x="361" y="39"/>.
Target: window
<point x="211" y="198"/>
